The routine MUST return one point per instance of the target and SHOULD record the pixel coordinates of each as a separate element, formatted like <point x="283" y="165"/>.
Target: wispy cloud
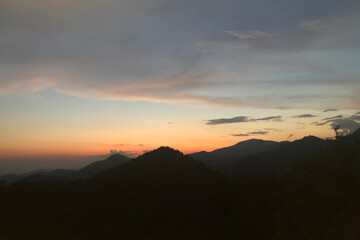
<point x="328" y="120"/>
<point x="304" y="116"/>
<point x="258" y="133"/>
<point x="271" y="118"/>
<point x="130" y="154"/>
<point x="250" y="134"/>
<point x="241" y="35"/>
<point x="273" y="129"/>
<point x="346" y="124"/>
<point x="319" y="25"/>
<point x="208" y="46"/>
<point x="239" y="119"/>
<point x="333" y="118"/>
<point x="355" y="117"/>
<point x="330" y="110"/>
<point x="227" y="120"/>
<point x="240" y="135"/>
<point x="244" y="40"/>
<point x="146" y="58"/>
<point x="319" y="123"/>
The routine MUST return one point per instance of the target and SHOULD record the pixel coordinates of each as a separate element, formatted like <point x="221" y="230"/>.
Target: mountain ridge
<point x="221" y="157"/>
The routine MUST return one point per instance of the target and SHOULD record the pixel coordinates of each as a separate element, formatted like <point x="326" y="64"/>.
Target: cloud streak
<point x="250" y="134"/>
<point x="304" y="116"/>
<point x="330" y="110"/>
<point x="241" y="119"/>
<point x="227" y="120"/>
<point x="271" y="118"/>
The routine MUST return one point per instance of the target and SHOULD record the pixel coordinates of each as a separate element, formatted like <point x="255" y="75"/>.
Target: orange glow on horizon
<point x="185" y="144"/>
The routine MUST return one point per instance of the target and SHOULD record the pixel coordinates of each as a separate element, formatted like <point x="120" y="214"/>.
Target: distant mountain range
<point x="260" y="157"/>
<point x="250" y="157"/>
<point x="68" y="174"/>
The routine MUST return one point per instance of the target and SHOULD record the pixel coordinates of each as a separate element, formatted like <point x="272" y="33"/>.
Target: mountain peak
<point x="163" y="152"/>
<point x="159" y="163"/>
<point x="246" y="147"/>
<point x="255" y="140"/>
<point x="166" y="148"/>
<point x="311" y="138"/>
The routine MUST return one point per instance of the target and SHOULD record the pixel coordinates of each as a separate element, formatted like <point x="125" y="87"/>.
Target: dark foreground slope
<point x="319" y="197"/>
<point x="166" y="195"/>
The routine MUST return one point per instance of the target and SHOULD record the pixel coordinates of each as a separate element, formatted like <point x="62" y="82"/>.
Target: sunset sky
<point x="81" y="77"/>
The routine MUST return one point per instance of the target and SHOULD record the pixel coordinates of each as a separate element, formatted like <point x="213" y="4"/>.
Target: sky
<point x="83" y="77"/>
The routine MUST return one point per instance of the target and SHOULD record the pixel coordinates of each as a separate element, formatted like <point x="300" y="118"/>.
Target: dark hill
<point x="160" y="193"/>
<point x="278" y="159"/>
<point x="223" y="157"/>
<point x="246" y="147"/>
<point x="163" y="162"/>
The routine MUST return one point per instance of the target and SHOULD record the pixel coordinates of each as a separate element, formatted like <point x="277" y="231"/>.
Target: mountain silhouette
<point x="276" y="160"/>
<point x="260" y="157"/>
<point x="168" y="193"/>
<point x="223" y="157"/>
<point x="163" y="162"/>
<point x="10" y="178"/>
<point x="246" y="147"/>
<point x="164" y="194"/>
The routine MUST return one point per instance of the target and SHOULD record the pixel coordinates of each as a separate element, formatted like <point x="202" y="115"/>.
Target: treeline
<point x="166" y="195"/>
